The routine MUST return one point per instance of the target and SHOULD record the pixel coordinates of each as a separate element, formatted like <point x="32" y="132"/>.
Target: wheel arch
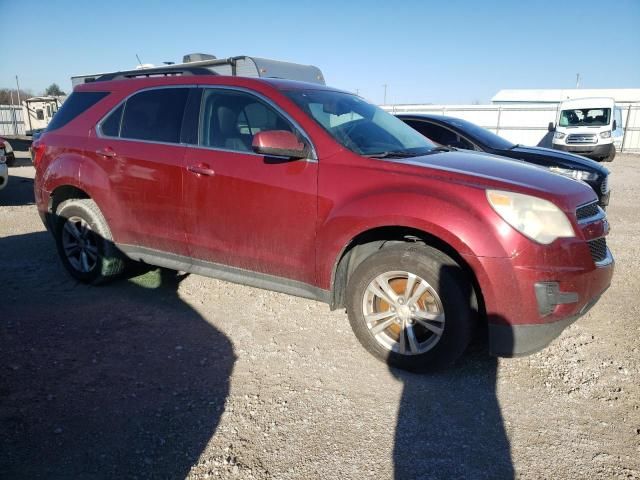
<point x="369" y="241"/>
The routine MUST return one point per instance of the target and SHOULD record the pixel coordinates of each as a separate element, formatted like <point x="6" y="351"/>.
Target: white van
<point x="591" y="127"/>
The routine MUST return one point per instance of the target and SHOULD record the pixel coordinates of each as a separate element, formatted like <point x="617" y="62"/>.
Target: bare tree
<point x="6" y="95"/>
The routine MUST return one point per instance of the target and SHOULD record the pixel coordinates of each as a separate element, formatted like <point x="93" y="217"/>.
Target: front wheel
<point x="84" y="242"/>
<point x="610" y="157"/>
<point x="411" y="306"/>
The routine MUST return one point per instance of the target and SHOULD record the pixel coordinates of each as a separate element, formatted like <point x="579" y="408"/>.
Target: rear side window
<point x="77" y="103"/>
<point x="154" y="115"/>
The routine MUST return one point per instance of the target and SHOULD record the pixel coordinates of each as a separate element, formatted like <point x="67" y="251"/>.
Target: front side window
<point x="154" y="115"/>
<point x="360" y="126"/>
<point x="440" y="135"/>
<point x="229" y="120"/>
<point x="585" y="117"/>
<point x="618" y="118"/>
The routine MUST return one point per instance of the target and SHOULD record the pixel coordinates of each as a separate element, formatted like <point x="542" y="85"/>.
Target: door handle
<point x="201" y="169"/>
<point x="106" y="152"/>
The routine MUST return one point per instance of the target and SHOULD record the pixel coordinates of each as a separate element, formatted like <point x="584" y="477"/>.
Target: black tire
<point x="109" y="261"/>
<point x="610" y="158"/>
<point x="448" y="281"/>
<point x="10" y="159"/>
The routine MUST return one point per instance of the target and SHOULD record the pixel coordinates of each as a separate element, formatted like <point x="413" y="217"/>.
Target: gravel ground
<point x="167" y="376"/>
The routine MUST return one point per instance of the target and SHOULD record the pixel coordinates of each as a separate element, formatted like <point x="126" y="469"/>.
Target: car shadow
<point x="20" y="162"/>
<point x="124" y="380"/>
<point x="449" y="423"/>
<point x="19" y="191"/>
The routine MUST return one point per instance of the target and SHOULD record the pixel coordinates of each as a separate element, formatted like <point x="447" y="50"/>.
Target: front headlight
<point x="559" y="135"/>
<point x="575" y="174"/>
<point x="606" y="134"/>
<point x="534" y="217"/>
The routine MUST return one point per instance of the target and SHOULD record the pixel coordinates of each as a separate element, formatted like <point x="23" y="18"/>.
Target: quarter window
<point x="154" y="115"/>
<point x="111" y="125"/>
<point x="230" y="119"/>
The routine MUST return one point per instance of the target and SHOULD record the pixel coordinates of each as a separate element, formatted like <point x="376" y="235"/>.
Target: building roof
<point x="620" y="95"/>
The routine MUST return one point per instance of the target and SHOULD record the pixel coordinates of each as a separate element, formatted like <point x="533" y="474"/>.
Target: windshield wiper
<point x="391" y="154"/>
<point x="440" y="150"/>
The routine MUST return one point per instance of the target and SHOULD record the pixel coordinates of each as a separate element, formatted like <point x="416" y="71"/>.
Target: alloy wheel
<point x="80" y="244"/>
<point x="403" y="312"/>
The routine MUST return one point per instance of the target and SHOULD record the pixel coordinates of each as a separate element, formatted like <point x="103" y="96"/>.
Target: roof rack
<point x="155" y="72"/>
<point x="199" y="64"/>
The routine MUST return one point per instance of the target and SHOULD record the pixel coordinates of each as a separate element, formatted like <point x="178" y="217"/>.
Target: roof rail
<point x="155" y="72"/>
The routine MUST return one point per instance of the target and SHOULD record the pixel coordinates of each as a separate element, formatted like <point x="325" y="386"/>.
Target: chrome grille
<point x="581" y="138"/>
<point x="598" y="249"/>
<point x="604" y="186"/>
<point x="588" y="210"/>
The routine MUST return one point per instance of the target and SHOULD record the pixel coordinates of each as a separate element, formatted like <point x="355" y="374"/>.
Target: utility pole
<point x="577" y="80"/>
<point x="385" y="94"/>
<point x="18" y="85"/>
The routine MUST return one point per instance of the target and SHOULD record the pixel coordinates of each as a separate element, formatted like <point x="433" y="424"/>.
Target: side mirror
<point x="280" y="143"/>
<point x="615" y="125"/>
<point x="551" y="127"/>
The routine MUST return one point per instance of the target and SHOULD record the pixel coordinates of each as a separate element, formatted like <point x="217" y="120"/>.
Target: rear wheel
<point x="411" y="306"/>
<point x="84" y="242"/>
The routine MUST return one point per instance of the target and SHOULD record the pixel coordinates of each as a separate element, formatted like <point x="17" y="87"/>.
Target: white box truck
<point x="591" y="127"/>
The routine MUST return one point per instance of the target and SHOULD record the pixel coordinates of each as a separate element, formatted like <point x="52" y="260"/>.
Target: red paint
<point x="276" y="140"/>
<point x="294" y="218"/>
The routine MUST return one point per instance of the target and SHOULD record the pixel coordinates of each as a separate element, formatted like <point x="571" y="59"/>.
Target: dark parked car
<point x="311" y="191"/>
<point x="7" y="152"/>
<point x="462" y="134"/>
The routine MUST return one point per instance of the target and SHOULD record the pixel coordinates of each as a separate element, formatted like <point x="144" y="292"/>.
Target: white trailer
<point x="37" y="112"/>
<point x="242" y="66"/>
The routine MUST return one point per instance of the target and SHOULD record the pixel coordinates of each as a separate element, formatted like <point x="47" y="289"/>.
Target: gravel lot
<point x="166" y="376"/>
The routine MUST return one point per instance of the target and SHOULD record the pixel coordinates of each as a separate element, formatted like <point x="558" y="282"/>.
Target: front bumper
<point x="520" y="322"/>
<point x="591" y="151"/>
<point x="520" y="340"/>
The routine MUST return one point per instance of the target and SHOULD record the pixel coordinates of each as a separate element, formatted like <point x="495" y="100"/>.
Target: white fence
<point x="11" y="120"/>
<point x="526" y="124"/>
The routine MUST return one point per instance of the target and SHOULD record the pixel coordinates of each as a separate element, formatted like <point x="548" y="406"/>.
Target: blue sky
<point x="425" y="51"/>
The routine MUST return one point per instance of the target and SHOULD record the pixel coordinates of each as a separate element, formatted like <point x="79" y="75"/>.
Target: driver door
<point x="247" y="210"/>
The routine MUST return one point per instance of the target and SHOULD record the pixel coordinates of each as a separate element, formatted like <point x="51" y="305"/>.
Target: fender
<point x="73" y="169"/>
<point x="462" y="224"/>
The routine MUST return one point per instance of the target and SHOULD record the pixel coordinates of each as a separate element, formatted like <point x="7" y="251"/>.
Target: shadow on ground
<point x="449" y="423"/>
<point x="125" y="380"/>
<point x="19" y="191"/>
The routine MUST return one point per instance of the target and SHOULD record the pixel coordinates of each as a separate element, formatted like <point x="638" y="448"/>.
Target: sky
<point x="442" y="52"/>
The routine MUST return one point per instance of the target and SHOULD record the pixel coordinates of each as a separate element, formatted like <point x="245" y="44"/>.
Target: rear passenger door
<point x="243" y="209"/>
<point x="138" y="146"/>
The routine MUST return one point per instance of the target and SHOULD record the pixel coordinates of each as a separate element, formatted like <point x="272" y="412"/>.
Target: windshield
<point x="360" y="126"/>
<point x="585" y="117"/>
<point x="480" y="135"/>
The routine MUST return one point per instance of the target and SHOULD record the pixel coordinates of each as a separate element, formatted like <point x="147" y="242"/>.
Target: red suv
<point x="312" y="191"/>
